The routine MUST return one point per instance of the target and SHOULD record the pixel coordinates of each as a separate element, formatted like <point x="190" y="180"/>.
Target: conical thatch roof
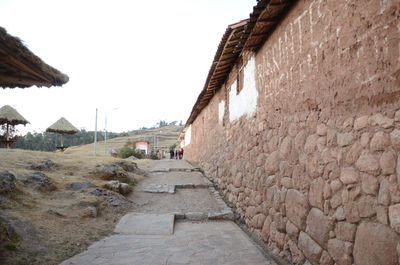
<point x="62" y="126"/>
<point x="19" y="67"/>
<point x="11" y="116"/>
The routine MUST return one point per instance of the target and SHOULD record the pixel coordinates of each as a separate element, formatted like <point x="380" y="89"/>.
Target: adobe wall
<point x="314" y="170"/>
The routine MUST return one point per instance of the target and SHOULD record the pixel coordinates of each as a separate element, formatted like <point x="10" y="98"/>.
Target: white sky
<point x="138" y="62"/>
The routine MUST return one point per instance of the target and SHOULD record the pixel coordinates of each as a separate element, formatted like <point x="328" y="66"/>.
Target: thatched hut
<point x="10" y="116"/>
<point x="19" y="67"/>
<point x="62" y="126"/>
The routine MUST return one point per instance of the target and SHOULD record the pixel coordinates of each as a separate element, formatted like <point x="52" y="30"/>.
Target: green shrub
<point x="153" y="156"/>
<point x="126" y="152"/>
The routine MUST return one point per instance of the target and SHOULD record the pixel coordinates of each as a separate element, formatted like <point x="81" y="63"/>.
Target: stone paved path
<point x="190" y="226"/>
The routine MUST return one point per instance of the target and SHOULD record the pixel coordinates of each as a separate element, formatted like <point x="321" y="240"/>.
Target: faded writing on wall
<point x="221" y="110"/>
<point x="246" y="101"/>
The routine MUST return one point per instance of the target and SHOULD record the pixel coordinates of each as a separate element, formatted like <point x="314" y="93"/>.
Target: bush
<point x="126" y="152"/>
<point x="153" y="156"/>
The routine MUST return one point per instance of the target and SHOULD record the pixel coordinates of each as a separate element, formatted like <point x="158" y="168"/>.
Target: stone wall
<point x="315" y="169"/>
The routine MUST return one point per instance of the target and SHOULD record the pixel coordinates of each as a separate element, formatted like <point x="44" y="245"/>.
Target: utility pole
<point x="95" y="134"/>
<point x="105" y="136"/>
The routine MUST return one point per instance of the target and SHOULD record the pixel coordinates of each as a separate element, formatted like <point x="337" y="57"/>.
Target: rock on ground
<point x="7" y="182"/>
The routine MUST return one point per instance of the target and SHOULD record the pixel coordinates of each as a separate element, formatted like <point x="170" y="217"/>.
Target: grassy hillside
<point x="164" y="136"/>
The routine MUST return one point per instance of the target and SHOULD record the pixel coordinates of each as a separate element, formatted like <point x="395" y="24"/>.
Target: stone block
<point x="348" y="123"/>
<point x="326" y="259"/>
<point x="327" y="192"/>
<point x="331" y="137"/>
<point x="369" y="184"/>
<point x="394" y="217"/>
<point x="384" y="193"/>
<point x="337" y="249"/>
<point x="349" y="175"/>
<point x="322" y="129"/>
<point x="344" y="139"/>
<point x="395" y="139"/>
<point x="315" y="195"/>
<point x="315" y="167"/>
<point x="397" y="114"/>
<point x="351" y="212"/>
<point x="380" y="120"/>
<point x="318" y="226"/>
<point x="270" y="181"/>
<point x="272" y="163"/>
<point x="336" y="200"/>
<point x="368" y="163"/>
<point x="297" y="208"/>
<point x="273" y="143"/>
<point x="238" y="180"/>
<point x="345" y="231"/>
<point x="287" y="182"/>
<point x="382" y="215"/>
<point x="361" y="123"/>
<point x="260" y="160"/>
<point x="380" y="141"/>
<point x="291" y="230"/>
<point x="339" y="214"/>
<point x="250" y="212"/>
<point x="354" y="153"/>
<point x="336" y="185"/>
<point x="311" y="144"/>
<point x="353" y="192"/>
<point x="310" y="248"/>
<point x="300" y="179"/>
<point x="297" y="255"/>
<point x="367" y="206"/>
<point x="375" y="244"/>
<point x="285" y="147"/>
<point x="300" y="140"/>
<point x="266" y="228"/>
<point x="388" y="162"/>
<point x="285" y="170"/>
<point x="257" y="221"/>
<point x="364" y="140"/>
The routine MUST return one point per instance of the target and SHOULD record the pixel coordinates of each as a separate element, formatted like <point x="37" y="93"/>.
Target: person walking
<point x="176" y="154"/>
<point x="171" y="154"/>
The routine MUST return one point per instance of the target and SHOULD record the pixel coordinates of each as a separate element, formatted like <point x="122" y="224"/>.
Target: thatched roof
<point x="62" y="126"/>
<point x="11" y="116"/>
<point x="19" y="67"/>
<point x="246" y="35"/>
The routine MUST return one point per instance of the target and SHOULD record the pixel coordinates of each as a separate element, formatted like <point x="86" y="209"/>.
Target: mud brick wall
<point x="315" y="169"/>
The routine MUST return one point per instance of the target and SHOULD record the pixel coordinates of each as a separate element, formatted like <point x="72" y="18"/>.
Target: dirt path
<point x="179" y="218"/>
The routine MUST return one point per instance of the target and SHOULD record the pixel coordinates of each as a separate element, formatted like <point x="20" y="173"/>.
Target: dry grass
<point x="50" y="225"/>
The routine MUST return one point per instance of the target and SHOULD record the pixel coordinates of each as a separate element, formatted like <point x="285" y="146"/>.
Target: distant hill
<point x="162" y="137"/>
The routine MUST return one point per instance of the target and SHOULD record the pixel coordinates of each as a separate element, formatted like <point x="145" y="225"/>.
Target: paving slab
<point x="146" y="224"/>
<point x="167" y="164"/>
<point x="176" y="178"/>
<point x="158" y="188"/>
<point x="184" y="200"/>
<point x="205" y="243"/>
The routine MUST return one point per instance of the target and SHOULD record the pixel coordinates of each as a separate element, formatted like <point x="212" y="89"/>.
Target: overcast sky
<point x="138" y="62"/>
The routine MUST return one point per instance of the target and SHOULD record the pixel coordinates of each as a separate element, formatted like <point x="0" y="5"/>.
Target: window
<point x="240" y="75"/>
